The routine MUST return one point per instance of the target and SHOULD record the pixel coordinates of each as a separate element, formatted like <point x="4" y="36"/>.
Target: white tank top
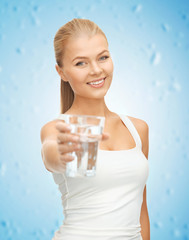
<point x="107" y="206"/>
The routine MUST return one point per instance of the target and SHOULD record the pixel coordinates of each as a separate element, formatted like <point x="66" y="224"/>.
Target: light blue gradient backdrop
<point x="149" y="43"/>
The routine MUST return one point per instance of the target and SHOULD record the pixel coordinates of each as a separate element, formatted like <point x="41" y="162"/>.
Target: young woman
<point x="111" y="205"/>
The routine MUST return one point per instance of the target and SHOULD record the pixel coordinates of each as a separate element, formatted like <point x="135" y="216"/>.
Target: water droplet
<point x="177" y="86"/>
<point x="170" y="191"/>
<point x="157" y="224"/>
<point x="35" y="20"/>
<point x="35" y="8"/>
<point x="173" y="219"/>
<point x="186" y="226"/>
<point x="137" y="8"/>
<point x="15" y="8"/>
<point x="174" y="85"/>
<point x="152" y="46"/>
<point x="20" y="50"/>
<point x="165" y="27"/>
<point x="2" y="37"/>
<point x="3" y="169"/>
<point x="155" y="59"/>
<point x="185" y="237"/>
<point x="178" y="44"/>
<point x="5" y="224"/>
<point x="184" y="16"/>
<point x="17" y="165"/>
<point x="176" y="233"/>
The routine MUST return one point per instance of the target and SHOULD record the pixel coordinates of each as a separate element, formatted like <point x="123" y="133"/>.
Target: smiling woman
<point x="87" y="62"/>
<point x="111" y="205"/>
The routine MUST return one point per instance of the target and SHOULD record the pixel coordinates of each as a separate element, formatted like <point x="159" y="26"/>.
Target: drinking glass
<point x="89" y="129"/>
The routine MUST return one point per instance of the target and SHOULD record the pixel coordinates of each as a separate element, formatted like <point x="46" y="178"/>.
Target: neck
<point x="83" y="106"/>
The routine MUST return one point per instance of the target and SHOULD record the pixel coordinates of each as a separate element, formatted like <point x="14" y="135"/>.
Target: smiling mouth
<point x="96" y="82"/>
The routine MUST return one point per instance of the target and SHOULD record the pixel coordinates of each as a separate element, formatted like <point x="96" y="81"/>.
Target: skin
<point x="96" y="63"/>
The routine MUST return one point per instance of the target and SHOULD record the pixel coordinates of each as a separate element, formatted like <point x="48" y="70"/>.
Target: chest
<point x="120" y="137"/>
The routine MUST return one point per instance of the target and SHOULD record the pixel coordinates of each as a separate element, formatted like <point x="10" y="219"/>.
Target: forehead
<point x="85" y="45"/>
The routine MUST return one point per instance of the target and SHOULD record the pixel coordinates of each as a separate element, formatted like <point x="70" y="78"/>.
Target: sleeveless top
<point x="107" y="206"/>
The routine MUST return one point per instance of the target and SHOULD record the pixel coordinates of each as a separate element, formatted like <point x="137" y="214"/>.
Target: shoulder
<point x="143" y="131"/>
<point x="140" y="124"/>
<point x="48" y="130"/>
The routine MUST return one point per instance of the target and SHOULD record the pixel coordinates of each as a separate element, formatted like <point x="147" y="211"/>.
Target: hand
<point x="64" y="137"/>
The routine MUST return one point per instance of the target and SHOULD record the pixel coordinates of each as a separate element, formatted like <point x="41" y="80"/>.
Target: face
<point x="87" y="66"/>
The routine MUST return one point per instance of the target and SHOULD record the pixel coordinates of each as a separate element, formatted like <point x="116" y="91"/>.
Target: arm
<point x="49" y="149"/>
<point x="144" y="218"/>
<point x="54" y="151"/>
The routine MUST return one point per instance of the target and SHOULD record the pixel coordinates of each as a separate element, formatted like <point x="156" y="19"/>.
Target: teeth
<point x="97" y="82"/>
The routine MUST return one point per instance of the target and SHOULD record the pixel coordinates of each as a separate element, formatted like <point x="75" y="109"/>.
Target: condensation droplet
<point x="17" y="165"/>
<point x="176" y="233"/>
<point x="155" y="59"/>
<point x="173" y="219"/>
<point x="20" y="50"/>
<point x="2" y="37"/>
<point x="35" y="8"/>
<point x="185" y="237"/>
<point x="184" y="16"/>
<point x="137" y="8"/>
<point x="178" y="44"/>
<point x="157" y="224"/>
<point x="177" y="86"/>
<point x="35" y="20"/>
<point x="15" y="8"/>
<point x="169" y="191"/>
<point x="165" y="27"/>
<point x="5" y="224"/>
<point x="3" y="169"/>
<point x="186" y="226"/>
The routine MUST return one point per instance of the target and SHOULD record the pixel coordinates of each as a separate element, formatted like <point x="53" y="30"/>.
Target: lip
<point x="96" y="80"/>
<point x="98" y="85"/>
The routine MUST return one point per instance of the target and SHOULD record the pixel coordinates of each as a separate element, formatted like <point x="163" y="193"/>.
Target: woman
<point x="111" y="205"/>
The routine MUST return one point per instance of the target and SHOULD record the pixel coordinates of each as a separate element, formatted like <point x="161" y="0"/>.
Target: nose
<point x="95" y="69"/>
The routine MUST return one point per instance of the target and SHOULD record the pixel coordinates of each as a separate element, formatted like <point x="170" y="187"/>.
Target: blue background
<point x="149" y="43"/>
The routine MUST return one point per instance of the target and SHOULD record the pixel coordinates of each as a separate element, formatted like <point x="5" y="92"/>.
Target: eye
<point x="80" y="64"/>
<point x="104" y="57"/>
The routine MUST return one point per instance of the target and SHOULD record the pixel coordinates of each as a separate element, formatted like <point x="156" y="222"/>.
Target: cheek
<point x="110" y="68"/>
<point x="76" y="76"/>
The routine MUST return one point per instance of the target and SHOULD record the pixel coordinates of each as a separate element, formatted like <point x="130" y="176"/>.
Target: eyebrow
<point x="82" y="57"/>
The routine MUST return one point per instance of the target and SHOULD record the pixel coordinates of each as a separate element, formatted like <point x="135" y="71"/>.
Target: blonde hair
<point x="71" y="29"/>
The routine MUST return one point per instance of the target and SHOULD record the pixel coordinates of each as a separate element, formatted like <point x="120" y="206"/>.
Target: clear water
<point x="84" y="164"/>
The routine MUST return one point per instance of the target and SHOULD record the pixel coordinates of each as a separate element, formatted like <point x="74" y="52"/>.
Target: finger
<point x="63" y="127"/>
<point x="66" y="148"/>
<point x="66" y="158"/>
<point x="63" y="137"/>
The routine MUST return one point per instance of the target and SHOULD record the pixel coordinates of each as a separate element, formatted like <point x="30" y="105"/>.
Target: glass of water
<point x="89" y="129"/>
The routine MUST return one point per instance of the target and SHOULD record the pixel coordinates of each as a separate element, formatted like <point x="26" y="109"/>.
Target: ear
<point x="60" y="73"/>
